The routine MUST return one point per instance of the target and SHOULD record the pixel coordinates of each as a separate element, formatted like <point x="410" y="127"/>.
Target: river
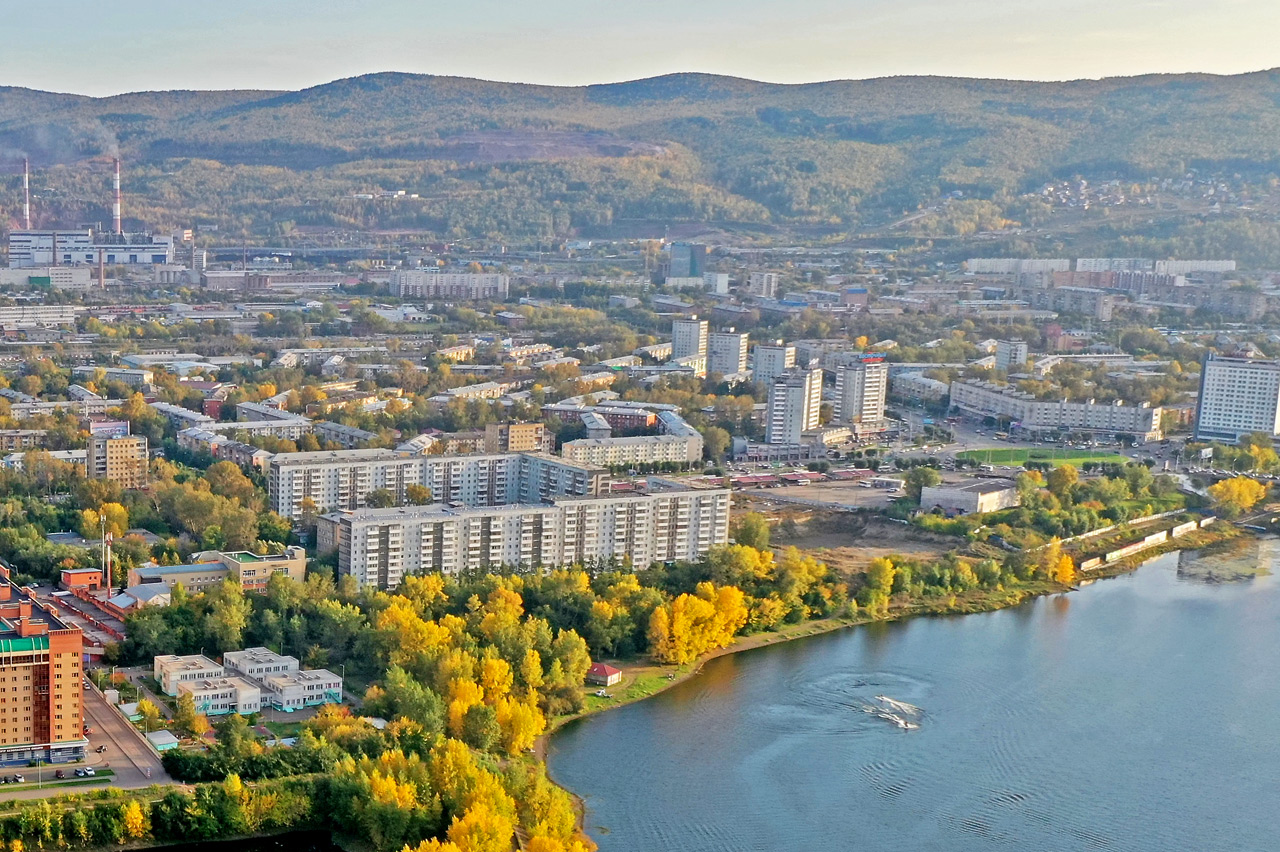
<point x="1139" y="713"/>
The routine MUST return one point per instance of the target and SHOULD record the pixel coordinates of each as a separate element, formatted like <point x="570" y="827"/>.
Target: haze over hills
<point x="514" y="161"/>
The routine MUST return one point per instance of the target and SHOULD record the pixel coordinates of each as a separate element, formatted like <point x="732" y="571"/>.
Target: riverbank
<point x="644" y="680"/>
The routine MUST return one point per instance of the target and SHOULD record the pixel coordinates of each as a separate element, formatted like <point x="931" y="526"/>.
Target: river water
<point x="1139" y="713"/>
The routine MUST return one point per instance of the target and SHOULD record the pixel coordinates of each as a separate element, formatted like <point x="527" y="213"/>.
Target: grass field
<point x="1041" y="454"/>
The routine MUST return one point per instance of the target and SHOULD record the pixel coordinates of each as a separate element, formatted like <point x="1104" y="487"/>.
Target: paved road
<point x="127" y="752"/>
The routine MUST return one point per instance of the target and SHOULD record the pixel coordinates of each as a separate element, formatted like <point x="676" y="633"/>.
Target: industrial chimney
<point x="26" y="193"/>
<point x="115" y="208"/>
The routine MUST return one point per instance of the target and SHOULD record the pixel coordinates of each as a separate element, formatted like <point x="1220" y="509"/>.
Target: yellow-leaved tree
<point x="1233" y="497"/>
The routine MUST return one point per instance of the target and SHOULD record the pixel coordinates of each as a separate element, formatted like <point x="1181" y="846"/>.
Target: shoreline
<point x="990" y="600"/>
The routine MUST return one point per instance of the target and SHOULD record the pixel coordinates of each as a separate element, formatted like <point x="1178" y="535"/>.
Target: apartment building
<point x="382" y="546"/>
<point x="763" y="284"/>
<point x="435" y="284"/>
<point x="689" y="337"/>
<point x="770" y="360"/>
<point x="122" y="459"/>
<point x="639" y="449"/>
<point x="795" y="400"/>
<point x="1011" y="355"/>
<point x="40" y="675"/>
<point x="136" y="379"/>
<point x="21" y="439"/>
<point x="861" y="390"/>
<point x="518" y="438"/>
<point x="348" y="437"/>
<point x="1238" y="396"/>
<point x="727" y="352"/>
<point x="342" y="479"/>
<point x="990" y="399"/>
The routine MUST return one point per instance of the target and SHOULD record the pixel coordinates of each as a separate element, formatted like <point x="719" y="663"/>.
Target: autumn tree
<point x="1065" y="571"/>
<point x="1061" y="480"/>
<point x="1233" y="497"/>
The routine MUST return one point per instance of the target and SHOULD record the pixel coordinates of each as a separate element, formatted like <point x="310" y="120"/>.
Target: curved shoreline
<point x="987" y="601"/>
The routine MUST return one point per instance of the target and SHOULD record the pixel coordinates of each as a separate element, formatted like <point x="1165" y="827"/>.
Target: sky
<point x="88" y="48"/>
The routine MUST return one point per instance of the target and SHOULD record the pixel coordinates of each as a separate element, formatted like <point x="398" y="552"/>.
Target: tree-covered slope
<point x="518" y="160"/>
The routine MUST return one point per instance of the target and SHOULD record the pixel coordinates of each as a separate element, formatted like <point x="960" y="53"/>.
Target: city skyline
<point x="291" y="45"/>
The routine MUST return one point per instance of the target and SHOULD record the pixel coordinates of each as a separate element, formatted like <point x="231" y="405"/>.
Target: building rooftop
<point x="977" y="486"/>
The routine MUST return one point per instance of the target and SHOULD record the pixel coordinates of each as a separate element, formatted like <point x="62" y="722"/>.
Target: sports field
<point x="1041" y="454"/>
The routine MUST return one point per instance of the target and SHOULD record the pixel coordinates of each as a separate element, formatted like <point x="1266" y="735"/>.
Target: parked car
<point x="19" y="779"/>
<point x="80" y="773"/>
<point x="89" y="770"/>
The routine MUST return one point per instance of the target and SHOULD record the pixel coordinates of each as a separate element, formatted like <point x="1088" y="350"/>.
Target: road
<point x="128" y="753"/>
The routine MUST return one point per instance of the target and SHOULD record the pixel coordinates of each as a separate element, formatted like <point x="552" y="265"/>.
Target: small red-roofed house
<point x="603" y="675"/>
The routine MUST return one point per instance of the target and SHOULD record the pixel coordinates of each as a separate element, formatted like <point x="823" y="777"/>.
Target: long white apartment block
<point x="435" y="284"/>
<point x="989" y="399"/>
<point x="1238" y="396"/>
<point x="342" y="479"/>
<point x="382" y="546"/>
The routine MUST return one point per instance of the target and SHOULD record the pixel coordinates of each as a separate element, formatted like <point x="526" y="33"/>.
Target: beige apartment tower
<point x="122" y="459"/>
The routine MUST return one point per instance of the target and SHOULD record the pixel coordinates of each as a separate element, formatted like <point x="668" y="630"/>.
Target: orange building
<point x="41" y="694"/>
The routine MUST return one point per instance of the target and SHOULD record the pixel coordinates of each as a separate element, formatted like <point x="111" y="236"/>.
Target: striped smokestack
<point x="115" y="208"/>
<point x="26" y="193"/>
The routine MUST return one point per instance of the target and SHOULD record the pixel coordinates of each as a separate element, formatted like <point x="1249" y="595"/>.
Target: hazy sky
<point x="92" y="48"/>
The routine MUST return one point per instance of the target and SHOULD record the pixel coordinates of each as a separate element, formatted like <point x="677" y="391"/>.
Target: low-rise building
<point x="298" y="689"/>
<point x="222" y="695"/>
<point x="258" y="663"/>
<point x="972" y="497"/>
<point x="171" y="671"/>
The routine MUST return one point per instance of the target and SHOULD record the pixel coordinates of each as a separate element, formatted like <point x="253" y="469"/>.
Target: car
<point x="59" y="774"/>
<point x="81" y="772"/>
<point x="100" y="749"/>
<point x="19" y="779"/>
<point x="89" y="771"/>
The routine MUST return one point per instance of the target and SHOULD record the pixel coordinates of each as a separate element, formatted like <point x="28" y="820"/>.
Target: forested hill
<point x="516" y="160"/>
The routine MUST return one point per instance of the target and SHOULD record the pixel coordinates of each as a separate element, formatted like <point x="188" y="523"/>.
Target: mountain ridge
<point x="681" y="147"/>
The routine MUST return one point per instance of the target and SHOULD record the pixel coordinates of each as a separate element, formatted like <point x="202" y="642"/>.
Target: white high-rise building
<point x="727" y="352"/>
<point x="1010" y="354"/>
<point x="795" y="401"/>
<point x="860" y="392"/>
<point x="689" y="337"/>
<point x="1238" y="396"/>
<point x="763" y="284"/>
<point x="770" y="360"/>
<point x="716" y="282"/>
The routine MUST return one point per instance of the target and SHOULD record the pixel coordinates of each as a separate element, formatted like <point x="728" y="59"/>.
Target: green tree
<point x="918" y="479"/>
<point x="751" y="530"/>
<point x="380" y="498"/>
